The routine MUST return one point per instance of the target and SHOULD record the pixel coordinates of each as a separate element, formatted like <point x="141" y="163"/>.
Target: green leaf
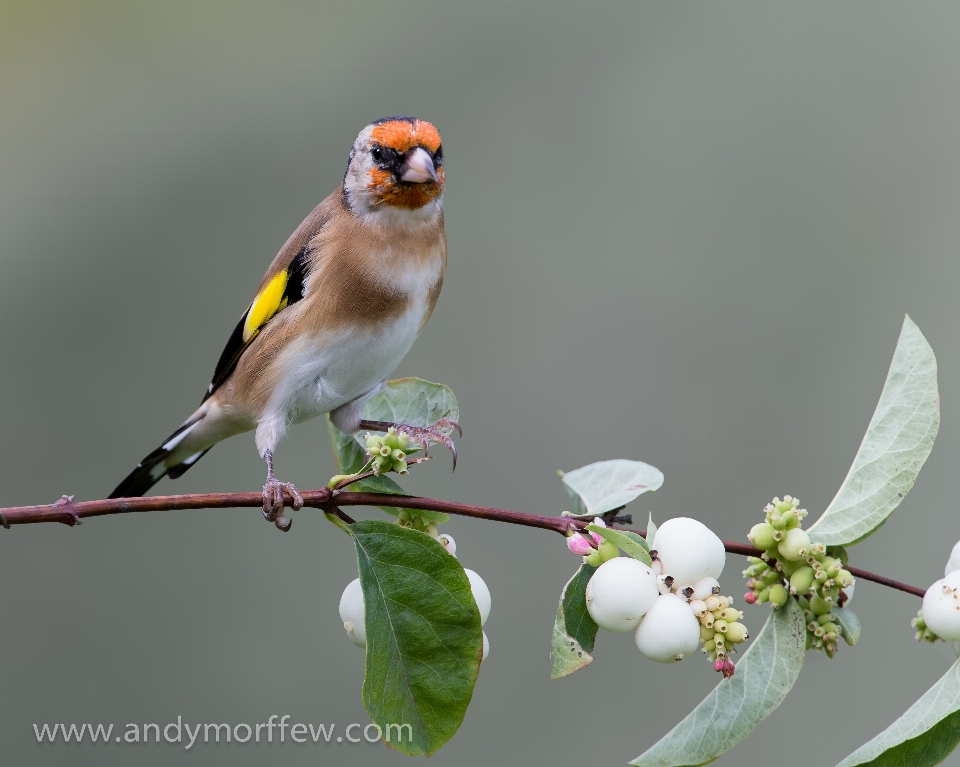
<point x="404" y="400"/>
<point x="651" y="530"/>
<point x="847" y="620"/>
<point x="764" y="676"/>
<point x="898" y="440"/>
<point x="574" y="631"/>
<point x="423" y="634"/>
<point x="608" y="485"/>
<point x="631" y="543"/>
<point x="927" y="732"/>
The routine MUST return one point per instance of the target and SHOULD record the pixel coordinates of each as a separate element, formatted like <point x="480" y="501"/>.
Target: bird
<point x="338" y="308"/>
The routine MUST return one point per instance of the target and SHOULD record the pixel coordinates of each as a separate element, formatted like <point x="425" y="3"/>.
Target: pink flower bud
<point x="728" y="668"/>
<point x="750" y="598"/>
<point x="578" y="545"/>
<point x="718" y="664"/>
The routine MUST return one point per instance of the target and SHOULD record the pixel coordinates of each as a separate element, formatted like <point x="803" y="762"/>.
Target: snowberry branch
<point x="70" y="512"/>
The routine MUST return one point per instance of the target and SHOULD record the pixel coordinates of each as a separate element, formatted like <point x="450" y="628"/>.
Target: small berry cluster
<point x="924" y="634"/>
<point x="669" y="603"/>
<point x="387" y="453"/>
<point x="720" y="628"/>
<point x="412" y="519"/>
<point x="352" y="609"/>
<point x="791" y="565"/>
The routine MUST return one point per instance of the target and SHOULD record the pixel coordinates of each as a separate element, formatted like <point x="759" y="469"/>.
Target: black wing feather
<point x="236" y="346"/>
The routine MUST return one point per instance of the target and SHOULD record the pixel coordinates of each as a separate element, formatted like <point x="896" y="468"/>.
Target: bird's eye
<point x="438" y="157"/>
<point x="384" y="156"/>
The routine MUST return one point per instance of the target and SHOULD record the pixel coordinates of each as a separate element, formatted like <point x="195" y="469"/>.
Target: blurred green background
<point x="685" y="233"/>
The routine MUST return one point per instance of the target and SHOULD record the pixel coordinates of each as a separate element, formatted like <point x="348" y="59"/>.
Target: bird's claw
<point x="273" y="502"/>
<point x="423" y="435"/>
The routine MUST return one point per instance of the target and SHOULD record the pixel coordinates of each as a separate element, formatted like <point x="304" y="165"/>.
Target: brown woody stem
<point x="69" y="512"/>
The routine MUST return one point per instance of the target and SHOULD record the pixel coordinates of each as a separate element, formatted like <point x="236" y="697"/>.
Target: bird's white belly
<point x="319" y="374"/>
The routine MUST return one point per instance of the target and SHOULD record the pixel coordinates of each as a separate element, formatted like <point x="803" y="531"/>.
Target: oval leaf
<point x="629" y="542"/>
<point x="897" y="442"/>
<point x="423" y="634"/>
<point x="927" y="732"/>
<point x="764" y="676"/>
<point x="574" y="631"/>
<point x="847" y="620"/>
<point x="608" y="485"/>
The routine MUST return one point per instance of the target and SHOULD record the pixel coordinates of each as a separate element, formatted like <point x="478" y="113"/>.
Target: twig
<point x="69" y="512"/>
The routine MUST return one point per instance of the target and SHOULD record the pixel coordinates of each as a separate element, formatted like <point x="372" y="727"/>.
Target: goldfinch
<point x="339" y="307"/>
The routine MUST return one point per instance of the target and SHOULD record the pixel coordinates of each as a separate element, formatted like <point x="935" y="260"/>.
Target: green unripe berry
<point x="770" y="577"/>
<point x="789" y="568"/>
<point x="593" y="559"/>
<point x="826" y="618"/>
<point x="830" y="628"/>
<point x="777" y="521"/>
<point x="431" y="530"/>
<point x="374" y="442"/>
<point x="795" y="545"/>
<point x="763" y="596"/>
<point x="608" y="550"/>
<point x="400" y="467"/>
<point x="761" y="536"/>
<point x="381" y="463"/>
<point x="778" y="595"/>
<point x="844" y="579"/>
<point x="802" y="580"/>
<point x="818" y="606"/>
<point x="755" y="560"/>
<point x="736" y="633"/>
<point x="821" y="576"/>
<point x="403" y="516"/>
<point x="397" y="454"/>
<point x="730" y="614"/>
<point x="709" y="646"/>
<point x="384" y="451"/>
<point x="706" y="633"/>
<point x="720" y="626"/>
<point x="790" y="519"/>
<point x="707" y="620"/>
<point x="830" y="595"/>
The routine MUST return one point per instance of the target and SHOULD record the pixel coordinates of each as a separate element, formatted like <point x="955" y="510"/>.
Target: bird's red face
<point x="397" y="162"/>
<point x="408" y="163"/>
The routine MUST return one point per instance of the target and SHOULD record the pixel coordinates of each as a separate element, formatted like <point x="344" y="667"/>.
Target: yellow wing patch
<point x="268" y="302"/>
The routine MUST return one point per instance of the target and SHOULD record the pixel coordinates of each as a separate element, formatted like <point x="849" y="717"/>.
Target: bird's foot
<point x="438" y="433"/>
<point x="273" y="501"/>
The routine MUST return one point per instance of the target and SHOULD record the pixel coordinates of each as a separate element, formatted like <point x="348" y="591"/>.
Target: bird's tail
<point x="160" y="463"/>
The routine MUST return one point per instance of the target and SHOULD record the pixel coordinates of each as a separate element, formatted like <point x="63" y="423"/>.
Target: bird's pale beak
<point x="419" y="167"/>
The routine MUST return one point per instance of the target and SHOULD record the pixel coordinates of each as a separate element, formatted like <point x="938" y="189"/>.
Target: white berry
<point x="620" y="593"/>
<point x="689" y="551"/>
<point x="848" y="592"/>
<point x="941" y="607"/>
<point x="351" y="613"/>
<point x="953" y="564"/>
<point x="704" y="588"/>
<point x="668" y="632"/>
<point x="486" y="647"/>
<point x="448" y="543"/>
<point x="481" y="594"/>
